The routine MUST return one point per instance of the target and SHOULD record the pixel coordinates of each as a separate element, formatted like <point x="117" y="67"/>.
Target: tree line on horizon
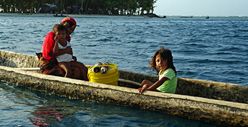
<point x="109" y="7"/>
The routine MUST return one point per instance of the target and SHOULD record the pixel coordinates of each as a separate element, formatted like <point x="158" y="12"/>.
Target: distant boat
<point x="207" y="17"/>
<point x="59" y="15"/>
<point x="215" y="102"/>
<point x="186" y="16"/>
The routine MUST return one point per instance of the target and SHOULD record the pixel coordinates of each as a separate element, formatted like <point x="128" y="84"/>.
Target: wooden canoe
<point x="209" y="101"/>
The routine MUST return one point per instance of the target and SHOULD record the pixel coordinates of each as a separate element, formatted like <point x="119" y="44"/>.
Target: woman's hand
<point x="56" y="38"/>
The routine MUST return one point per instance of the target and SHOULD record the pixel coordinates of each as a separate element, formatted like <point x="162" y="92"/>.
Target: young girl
<point x="62" y="48"/>
<point x="63" y="54"/>
<point x="162" y="62"/>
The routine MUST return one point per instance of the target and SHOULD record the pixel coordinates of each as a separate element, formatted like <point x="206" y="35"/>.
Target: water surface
<point x="210" y="49"/>
<point x="24" y="108"/>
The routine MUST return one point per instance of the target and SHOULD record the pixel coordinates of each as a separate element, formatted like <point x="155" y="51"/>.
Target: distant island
<point x="60" y="7"/>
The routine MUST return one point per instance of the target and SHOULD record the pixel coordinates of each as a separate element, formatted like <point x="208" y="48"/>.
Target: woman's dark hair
<point x="68" y="24"/>
<point x="165" y="55"/>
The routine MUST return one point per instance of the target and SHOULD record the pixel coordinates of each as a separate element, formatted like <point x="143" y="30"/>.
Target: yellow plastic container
<point x="110" y="77"/>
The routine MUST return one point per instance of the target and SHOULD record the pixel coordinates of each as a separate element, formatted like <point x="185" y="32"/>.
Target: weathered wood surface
<point x="191" y="107"/>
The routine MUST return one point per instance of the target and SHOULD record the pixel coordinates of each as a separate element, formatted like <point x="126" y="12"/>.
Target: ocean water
<point x="210" y="49"/>
<point x="24" y="108"/>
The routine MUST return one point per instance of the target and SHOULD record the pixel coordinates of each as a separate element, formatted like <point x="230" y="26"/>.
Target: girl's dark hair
<point x="58" y="27"/>
<point x="165" y="54"/>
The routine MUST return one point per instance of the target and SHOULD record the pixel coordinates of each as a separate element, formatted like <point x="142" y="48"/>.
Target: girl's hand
<point x="143" y="88"/>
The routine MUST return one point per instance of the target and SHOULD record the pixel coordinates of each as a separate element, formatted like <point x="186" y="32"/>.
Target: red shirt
<point x="48" y="44"/>
<point x="47" y="47"/>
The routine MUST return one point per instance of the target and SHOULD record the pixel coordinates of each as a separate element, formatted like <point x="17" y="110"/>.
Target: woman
<point x="72" y="69"/>
<point x="48" y="43"/>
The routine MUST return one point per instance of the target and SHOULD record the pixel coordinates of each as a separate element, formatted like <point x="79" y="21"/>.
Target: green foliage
<point x="109" y="7"/>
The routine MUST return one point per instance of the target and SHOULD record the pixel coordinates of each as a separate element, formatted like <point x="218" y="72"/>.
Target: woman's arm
<point x="56" y="48"/>
<point x="47" y="47"/>
<point x="58" y="51"/>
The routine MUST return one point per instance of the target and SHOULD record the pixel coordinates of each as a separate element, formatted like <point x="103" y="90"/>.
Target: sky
<point x="201" y="7"/>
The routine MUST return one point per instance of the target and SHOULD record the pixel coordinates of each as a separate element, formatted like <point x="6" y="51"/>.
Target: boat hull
<point x="198" y="108"/>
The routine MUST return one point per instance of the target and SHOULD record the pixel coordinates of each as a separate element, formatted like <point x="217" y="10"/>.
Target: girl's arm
<point x="68" y="50"/>
<point x="154" y="86"/>
<point x="157" y="84"/>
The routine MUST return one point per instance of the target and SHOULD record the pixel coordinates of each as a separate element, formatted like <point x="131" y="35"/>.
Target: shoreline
<point x="99" y="15"/>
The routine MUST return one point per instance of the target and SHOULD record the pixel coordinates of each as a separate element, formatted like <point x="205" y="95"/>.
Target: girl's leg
<point x="66" y="68"/>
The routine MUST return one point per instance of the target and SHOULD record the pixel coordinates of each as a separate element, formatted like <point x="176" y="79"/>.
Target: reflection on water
<point x="43" y="116"/>
<point x="22" y="107"/>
